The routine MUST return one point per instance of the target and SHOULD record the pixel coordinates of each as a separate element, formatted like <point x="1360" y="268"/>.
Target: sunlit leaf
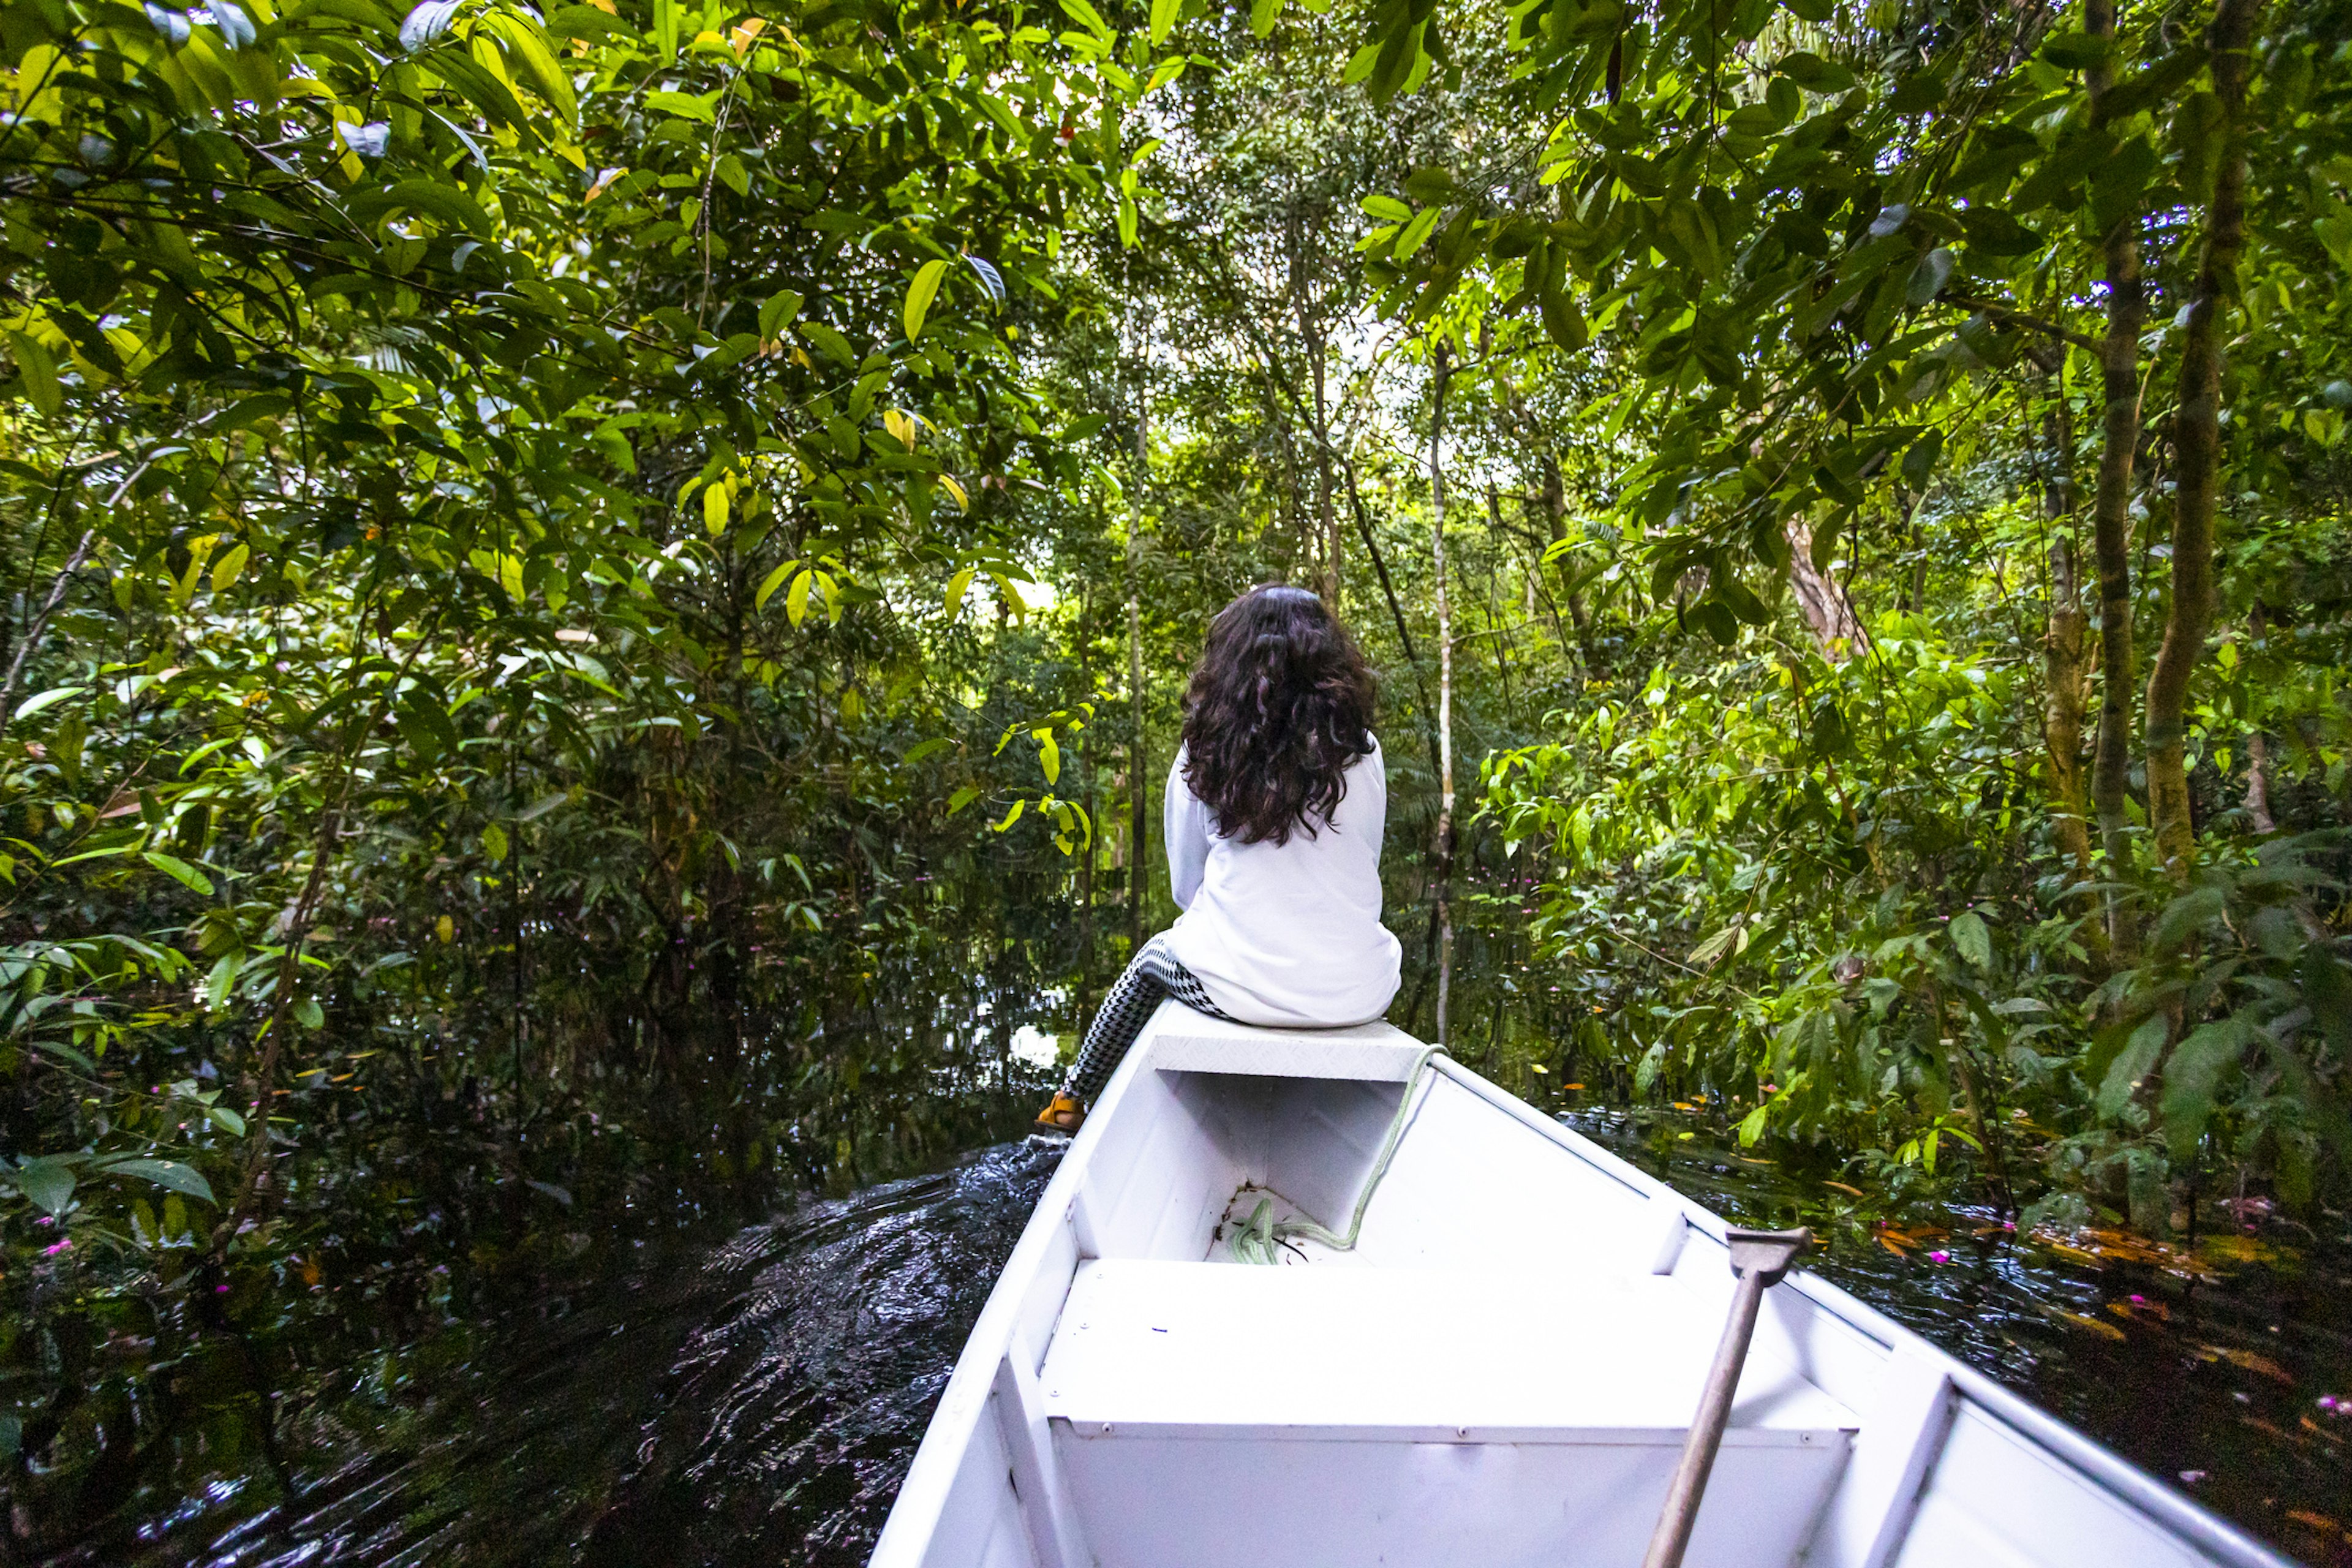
<point x="919" y="295"/>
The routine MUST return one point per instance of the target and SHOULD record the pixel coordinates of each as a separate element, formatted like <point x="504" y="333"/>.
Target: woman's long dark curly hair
<point x="1280" y="707"/>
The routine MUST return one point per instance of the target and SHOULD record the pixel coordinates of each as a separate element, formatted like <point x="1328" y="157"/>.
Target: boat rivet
<point x="1462" y="1431"/>
<point x="1105" y="1428"/>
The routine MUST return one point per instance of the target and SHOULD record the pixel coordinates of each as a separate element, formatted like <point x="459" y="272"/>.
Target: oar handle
<point x="1759" y="1258"/>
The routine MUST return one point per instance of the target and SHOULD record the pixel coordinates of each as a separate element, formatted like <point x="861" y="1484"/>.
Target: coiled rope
<point x="1260" y="1238"/>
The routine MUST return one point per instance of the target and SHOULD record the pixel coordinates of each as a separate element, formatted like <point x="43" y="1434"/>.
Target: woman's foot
<point x="1064" y="1114"/>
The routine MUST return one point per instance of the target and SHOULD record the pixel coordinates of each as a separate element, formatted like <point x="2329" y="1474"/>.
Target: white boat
<point x="1502" y="1370"/>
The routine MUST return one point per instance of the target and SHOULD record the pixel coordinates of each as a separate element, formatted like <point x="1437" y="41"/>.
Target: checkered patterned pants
<point x="1151" y="975"/>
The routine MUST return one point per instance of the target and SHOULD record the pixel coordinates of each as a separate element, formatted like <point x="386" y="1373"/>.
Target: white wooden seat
<point x="1448" y="1396"/>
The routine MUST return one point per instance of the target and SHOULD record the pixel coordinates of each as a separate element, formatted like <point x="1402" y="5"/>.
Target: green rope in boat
<point x="1261" y="1237"/>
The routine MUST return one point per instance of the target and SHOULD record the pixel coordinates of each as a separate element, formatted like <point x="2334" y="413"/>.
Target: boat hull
<point x="1501" y="1372"/>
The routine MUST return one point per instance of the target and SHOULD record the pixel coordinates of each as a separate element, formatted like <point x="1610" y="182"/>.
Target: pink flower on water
<point x="1939" y="1257"/>
<point x="60" y="1247"/>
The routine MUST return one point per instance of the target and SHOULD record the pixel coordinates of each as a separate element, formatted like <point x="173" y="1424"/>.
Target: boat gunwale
<point x="2093" y="1460"/>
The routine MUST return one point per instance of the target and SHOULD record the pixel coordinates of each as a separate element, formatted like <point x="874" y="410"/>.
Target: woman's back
<point x="1288" y="931"/>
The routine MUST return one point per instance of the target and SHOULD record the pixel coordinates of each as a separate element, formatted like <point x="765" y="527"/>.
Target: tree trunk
<point x="1829" y="613"/>
<point x="2065" y="642"/>
<point x="2111" y="519"/>
<point x="1554" y="502"/>
<point x="1445" y="692"/>
<point x="1303" y="266"/>
<point x="2197" y="443"/>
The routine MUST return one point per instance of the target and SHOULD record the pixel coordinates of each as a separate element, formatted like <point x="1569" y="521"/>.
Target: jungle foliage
<point x="597" y="598"/>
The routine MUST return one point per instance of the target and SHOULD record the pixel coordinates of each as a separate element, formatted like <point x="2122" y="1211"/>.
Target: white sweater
<point x="1285" y="934"/>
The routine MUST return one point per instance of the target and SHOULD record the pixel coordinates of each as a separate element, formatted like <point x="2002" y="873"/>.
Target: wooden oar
<point x="1759" y="1257"/>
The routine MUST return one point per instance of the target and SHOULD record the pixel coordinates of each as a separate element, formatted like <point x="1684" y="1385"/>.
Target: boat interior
<point x="1501" y="1371"/>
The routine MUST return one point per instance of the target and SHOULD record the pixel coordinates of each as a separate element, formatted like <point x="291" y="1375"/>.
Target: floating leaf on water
<point x="2084" y="1321"/>
<point x="2250" y="1361"/>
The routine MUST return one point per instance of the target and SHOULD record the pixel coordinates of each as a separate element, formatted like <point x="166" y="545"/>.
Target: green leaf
<point x="2327" y="992"/>
<point x="1262" y="15"/>
<point x="40" y="373"/>
<point x="919" y="295"/>
<point x="1049" y="756"/>
<point x="829" y="342"/>
<point x="1087" y="16"/>
<point x="309" y="1014"/>
<point x="1163" y="19"/>
<point x="2132" y="1064"/>
<point x="2185" y="916"/>
<point x="227" y="1120"/>
<point x="40" y="700"/>
<point x="226" y="570"/>
<point x="796" y="598"/>
<point x="1919" y="462"/>
<point x="452" y="207"/>
<point x="963" y="798"/>
<point x="778" y="312"/>
<point x="180" y="870"/>
<point x="1973" y="940"/>
<point x="586" y="22"/>
<point x="957" y="587"/>
<point x="1010" y="817"/>
<point x="1388" y="209"/>
<point x="2077" y="51"/>
<point x="169" y="1174"/>
<point x="494" y="843"/>
<point x="47" y="1181"/>
<point x="685" y="105"/>
<point x="916" y="754"/>
<point x="2193" y="1074"/>
<point x="1927" y="279"/>
<point x="714" y="509"/>
<point x="771" y="582"/>
<point x="1815" y="74"/>
<point x="1417" y="233"/>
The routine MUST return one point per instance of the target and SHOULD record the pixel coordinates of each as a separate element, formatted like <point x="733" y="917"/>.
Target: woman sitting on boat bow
<point x="1273" y="817"/>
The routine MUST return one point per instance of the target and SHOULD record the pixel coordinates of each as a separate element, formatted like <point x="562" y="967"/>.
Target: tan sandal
<point x="1064" y="1114"/>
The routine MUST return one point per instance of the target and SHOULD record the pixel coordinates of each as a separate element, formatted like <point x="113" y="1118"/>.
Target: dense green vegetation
<point x="596" y="600"/>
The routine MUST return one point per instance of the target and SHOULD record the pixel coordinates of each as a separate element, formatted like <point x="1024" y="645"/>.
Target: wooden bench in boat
<point x="1501" y="1374"/>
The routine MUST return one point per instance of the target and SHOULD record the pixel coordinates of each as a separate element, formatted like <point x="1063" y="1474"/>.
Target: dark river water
<point x="755" y="1400"/>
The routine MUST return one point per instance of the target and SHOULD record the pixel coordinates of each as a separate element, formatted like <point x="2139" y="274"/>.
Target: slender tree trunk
<point x="1914" y="594"/>
<point x="2258" y="750"/>
<point x="2197" y="441"/>
<point x="1139" y="782"/>
<point x="2066" y="641"/>
<point x="1444" y="693"/>
<point x="1396" y="610"/>
<point x="1092" y="847"/>
<point x="1555" y="504"/>
<point x="2111" y="521"/>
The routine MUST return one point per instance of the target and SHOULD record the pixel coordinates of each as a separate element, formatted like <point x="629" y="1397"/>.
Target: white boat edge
<point x="1924" y="1389"/>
